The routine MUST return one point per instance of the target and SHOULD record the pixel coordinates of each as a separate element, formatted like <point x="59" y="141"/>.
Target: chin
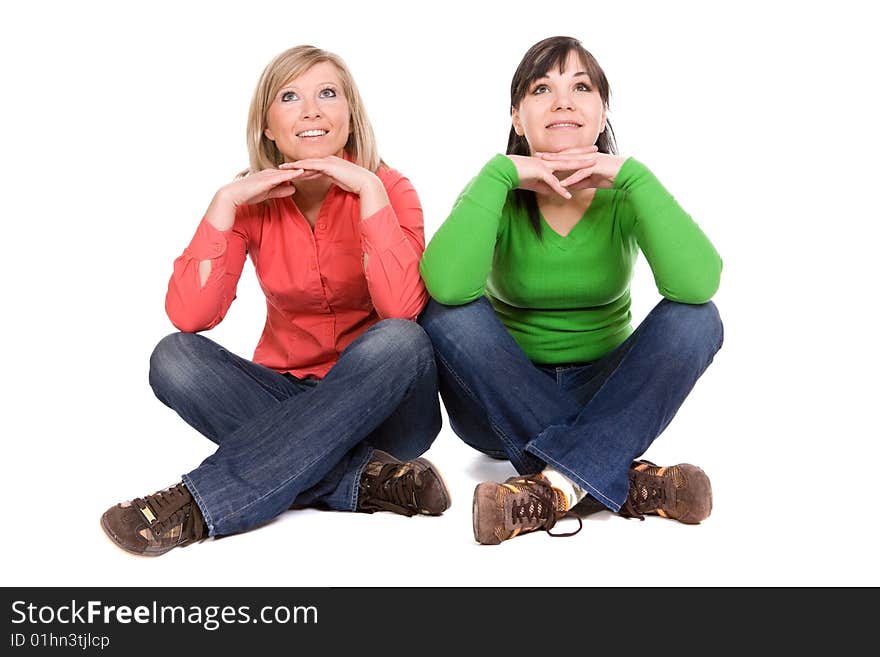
<point x="307" y="151"/>
<point x="556" y="145"/>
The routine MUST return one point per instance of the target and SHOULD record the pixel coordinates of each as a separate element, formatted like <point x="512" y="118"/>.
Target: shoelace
<point x="637" y="503"/>
<point x="541" y="506"/>
<point x="393" y="493"/>
<point x="173" y="506"/>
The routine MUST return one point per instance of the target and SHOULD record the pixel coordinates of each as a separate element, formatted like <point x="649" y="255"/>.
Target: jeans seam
<point x="498" y="430"/>
<point x="359" y="473"/>
<point x="580" y="480"/>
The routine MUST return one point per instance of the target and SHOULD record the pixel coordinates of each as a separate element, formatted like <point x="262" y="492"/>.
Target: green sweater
<point x="566" y="299"/>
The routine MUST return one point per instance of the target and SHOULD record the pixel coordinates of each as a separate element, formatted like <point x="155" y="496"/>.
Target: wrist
<point x="371" y="185"/>
<point x="373" y="198"/>
<point x="225" y="197"/>
<point x="221" y="211"/>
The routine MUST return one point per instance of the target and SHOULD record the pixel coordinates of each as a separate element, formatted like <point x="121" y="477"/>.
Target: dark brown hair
<point x="536" y="63"/>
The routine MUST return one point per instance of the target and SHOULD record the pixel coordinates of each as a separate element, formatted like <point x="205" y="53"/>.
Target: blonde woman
<point x="340" y="398"/>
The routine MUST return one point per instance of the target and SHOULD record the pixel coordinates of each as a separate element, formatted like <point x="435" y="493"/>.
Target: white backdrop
<point x="119" y="123"/>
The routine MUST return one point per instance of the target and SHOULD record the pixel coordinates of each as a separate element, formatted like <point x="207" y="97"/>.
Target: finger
<point x="570" y="158"/>
<point x="586" y="183"/>
<point x="311" y="175"/>
<point x="278" y="174"/>
<point x="577" y="176"/>
<point x="553" y="182"/>
<point x="556" y="157"/>
<point x="315" y="164"/>
<point x="580" y="150"/>
<point x="571" y="164"/>
<point x="282" y="190"/>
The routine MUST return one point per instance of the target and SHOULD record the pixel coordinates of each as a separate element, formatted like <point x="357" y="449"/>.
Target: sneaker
<point x="681" y="492"/>
<point x="152" y="525"/>
<point x="404" y="487"/>
<point x="519" y="505"/>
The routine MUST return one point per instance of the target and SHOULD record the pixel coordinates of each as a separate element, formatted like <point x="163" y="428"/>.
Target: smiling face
<point x="563" y="109"/>
<point x="310" y="115"/>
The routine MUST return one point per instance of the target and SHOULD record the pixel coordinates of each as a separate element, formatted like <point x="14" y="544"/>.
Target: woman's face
<point x="560" y="110"/>
<point x="309" y="116"/>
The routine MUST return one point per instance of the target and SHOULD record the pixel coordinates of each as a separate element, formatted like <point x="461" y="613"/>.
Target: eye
<point x="539" y="89"/>
<point x="327" y="92"/>
<point x="582" y="86"/>
<point x="288" y="96"/>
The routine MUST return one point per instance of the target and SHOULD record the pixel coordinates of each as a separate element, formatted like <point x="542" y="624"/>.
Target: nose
<point x="562" y="101"/>
<point x="310" y="109"/>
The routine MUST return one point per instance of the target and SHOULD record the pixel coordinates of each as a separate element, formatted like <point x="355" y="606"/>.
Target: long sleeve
<point x="190" y="306"/>
<point x="686" y="266"/>
<point x="393" y="240"/>
<point x="458" y="259"/>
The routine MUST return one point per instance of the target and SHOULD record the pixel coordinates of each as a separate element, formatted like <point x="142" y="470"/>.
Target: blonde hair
<point x="290" y="64"/>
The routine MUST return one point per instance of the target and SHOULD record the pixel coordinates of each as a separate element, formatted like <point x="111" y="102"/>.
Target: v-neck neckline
<point x="321" y="208"/>
<point x="565" y="241"/>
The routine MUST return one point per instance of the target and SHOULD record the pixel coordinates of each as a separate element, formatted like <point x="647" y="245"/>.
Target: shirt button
<point x="322" y="226"/>
<point x="312" y="267"/>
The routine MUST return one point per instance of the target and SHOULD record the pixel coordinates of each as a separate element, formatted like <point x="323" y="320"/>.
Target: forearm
<point x="221" y="215"/>
<point x="686" y="266"/>
<point x="197" y="300"/>
<point x="393" y="240"/>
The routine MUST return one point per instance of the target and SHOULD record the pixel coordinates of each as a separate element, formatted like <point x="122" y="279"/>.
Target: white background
<point x="120" y="122"/>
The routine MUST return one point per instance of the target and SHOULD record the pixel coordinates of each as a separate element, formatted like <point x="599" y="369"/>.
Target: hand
<point x="537" y="175"/>
<point x="260" y="186"/>
<point x="346" y="175"/>
<point x="591" y="168"/>
<point x="253" y="188"/>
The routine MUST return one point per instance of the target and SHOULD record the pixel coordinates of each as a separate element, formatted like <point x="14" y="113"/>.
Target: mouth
<point x="563" y="125"/>
<point x="312" y="134"/>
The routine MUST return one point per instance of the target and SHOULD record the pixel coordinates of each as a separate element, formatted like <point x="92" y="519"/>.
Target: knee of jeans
<point x="436" y="316"/>
<point x="397" y="340"/>
<point x="457" y="325"/>
<point x="171" y="363"/>
<point x="695" y="326"/>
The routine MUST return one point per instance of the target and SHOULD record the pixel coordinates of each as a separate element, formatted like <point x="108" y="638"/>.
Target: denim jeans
<point x="589" y="420"/>
<point x="285" y="441"/>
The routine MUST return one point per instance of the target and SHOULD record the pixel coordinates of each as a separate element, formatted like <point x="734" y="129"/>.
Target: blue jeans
<point x="285" y="441"/>
<point x="589" y="420"/>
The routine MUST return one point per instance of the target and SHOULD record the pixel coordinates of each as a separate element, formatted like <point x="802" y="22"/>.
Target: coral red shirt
<point x="319" y="294"/>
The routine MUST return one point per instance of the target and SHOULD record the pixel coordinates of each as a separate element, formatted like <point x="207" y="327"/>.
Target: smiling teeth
<point x="563" y="125"/>
<point x="312" y="133"/>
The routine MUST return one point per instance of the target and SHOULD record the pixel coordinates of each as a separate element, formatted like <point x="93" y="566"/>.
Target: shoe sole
<point x="484" y="507"/>
<point x="446" y="494"/>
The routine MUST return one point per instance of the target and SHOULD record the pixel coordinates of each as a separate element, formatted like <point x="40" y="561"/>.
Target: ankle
<point x="568" y="490"/>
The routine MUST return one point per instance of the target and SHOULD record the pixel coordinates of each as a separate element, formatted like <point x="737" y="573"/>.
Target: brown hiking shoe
<point x="154" y="524"/>
<point x="404" y="487"/>
<point x="681" y="492"/>
<point x="520" y="504"/>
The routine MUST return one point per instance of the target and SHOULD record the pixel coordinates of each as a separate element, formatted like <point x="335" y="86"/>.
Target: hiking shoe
<point x="404" y="487"/>
<point x="520" y="504"/>
<point x="681" y="492"/>
<point x="154" y="524"/>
